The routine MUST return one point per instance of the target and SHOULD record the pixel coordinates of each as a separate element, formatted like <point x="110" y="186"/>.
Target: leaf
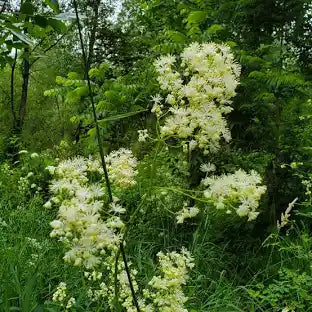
<point x="53" y="4"/>
<point x="75" y="119"/>
<point x="177" y="36"/>
<point x="256" y="75"/>
<point x="214" y="29"/>
<point x="92" y="132"/>
<point x="73" y="75"/>
<point x="121" y="116"/>
<point x="196" y="17"/>
<point x="81" y="91"/>
<point x="194" y="30"/>
<point x="41" y="21"/>
<point x="21" y="36"/>
<point x="111" y="95"/>
<point x="57" y="25"/>
<point x="103" y="105"/>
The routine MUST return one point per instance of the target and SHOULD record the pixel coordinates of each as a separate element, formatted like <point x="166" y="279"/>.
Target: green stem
<point x="99" y="139"/>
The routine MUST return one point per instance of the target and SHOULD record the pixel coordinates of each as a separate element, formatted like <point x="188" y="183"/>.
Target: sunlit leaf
<point x="53" y="4"/>
<point x="120" y="116"/>
<point x="21" y="36"/>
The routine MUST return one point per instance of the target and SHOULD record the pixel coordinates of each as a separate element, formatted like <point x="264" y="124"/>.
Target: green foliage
<point x="118" y="97"/>
<point x="238" y="268"/>
<point x="26" y="26"/>
<point x="290" y="288"/>
<point x="290" y="291"/>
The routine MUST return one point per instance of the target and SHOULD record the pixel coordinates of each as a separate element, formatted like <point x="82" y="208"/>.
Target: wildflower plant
<point x="240" y="188"/>
<point x="60" y="297"/>
<point x="198" y="95"/>
<point x="122" y="168"/>
<point x="80" y="224"/>
<point x="286" y="215"/>
<point x="187" y="213"/>
<point x="192" y="115"/>
<point x="199" y="90"/>
<point x="166" y="289"/>
<point x="92" y="232"/>
<point x="164" y="292"/>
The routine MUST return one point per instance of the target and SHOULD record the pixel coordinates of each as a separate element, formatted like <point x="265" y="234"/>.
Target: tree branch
<point x="48" y="49"/>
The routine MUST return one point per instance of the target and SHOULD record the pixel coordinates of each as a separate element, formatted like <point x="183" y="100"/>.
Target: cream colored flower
<point x="212" y="79"/>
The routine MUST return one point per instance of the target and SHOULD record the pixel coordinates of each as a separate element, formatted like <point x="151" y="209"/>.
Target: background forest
<point x="202" y="112"/>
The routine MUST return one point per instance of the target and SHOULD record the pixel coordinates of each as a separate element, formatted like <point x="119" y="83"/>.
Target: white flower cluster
<point x="199" y="96"/>
<point x="197" y="128"/>
<point x="286" y="215"/>
<point x="143" y="135"/>
<point x="167" y="289"/>
<point x="23" y="185"/>
<point x="79" y="222"/>
<point x="121" y="166"/>
<point x="186" y="213"/>
<point x="71" y="302"/>
<point x="239" y="187"/>
<point x="164" y="292"/>
<point x="158" y="106"/>
<point x="106" y="290"/>
<point x="93" y="276"/>
<point x="60" y="295"/>
<point x="207" y="167"/>
<point x="34" y="155"/>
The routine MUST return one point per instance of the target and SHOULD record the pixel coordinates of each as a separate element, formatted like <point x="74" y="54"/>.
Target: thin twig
<point x="135" y="300"/>
<point x="48" y="49"/>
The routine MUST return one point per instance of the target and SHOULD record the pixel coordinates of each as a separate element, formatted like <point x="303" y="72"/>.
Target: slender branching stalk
<point x="99" y="139"/>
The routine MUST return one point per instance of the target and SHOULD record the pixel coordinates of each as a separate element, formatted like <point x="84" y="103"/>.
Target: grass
<point x="230" y="261"/>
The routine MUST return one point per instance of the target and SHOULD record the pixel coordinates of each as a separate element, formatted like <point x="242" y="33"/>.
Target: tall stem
<point x="24" y="95"/>
<point x="99" y="139"/>
<point x="12" y="89"/>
